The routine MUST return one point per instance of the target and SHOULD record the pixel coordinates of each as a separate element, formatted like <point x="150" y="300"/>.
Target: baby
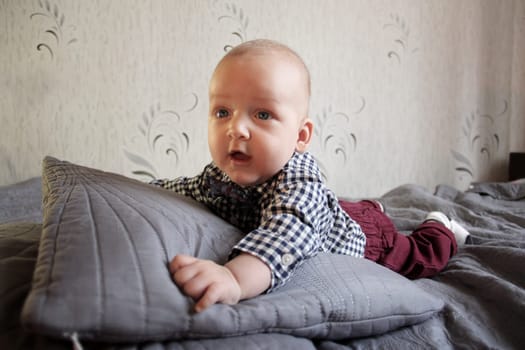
<point x="263" y="181"/>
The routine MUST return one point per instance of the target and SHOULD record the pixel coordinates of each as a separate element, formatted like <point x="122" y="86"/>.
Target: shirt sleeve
<point x="186" y="186"/>
<point x="289" y="230"/>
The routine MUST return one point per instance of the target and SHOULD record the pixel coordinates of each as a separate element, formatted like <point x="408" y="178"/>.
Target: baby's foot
<point x="460" y="233"/>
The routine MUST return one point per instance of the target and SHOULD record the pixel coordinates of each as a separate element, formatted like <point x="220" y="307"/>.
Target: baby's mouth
<point x="239" y="156"/>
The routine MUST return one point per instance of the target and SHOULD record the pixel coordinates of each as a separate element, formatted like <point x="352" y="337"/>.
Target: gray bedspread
<point x="482" y="287"/>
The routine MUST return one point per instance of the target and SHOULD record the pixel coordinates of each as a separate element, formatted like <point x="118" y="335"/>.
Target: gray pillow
<point x="102" y="272"/>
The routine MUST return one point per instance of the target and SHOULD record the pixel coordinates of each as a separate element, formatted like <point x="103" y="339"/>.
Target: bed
<point x="83" y="256"/>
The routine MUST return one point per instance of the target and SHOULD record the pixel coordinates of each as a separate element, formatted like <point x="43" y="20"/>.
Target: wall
<point x="423" y="92"/>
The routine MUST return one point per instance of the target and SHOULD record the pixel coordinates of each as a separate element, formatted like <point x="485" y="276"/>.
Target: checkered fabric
<point x="287" y="219"/>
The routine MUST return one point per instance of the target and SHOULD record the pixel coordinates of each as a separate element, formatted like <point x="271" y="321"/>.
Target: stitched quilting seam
<point x="120" y="195"/>
<point x="136" y="262"/>
<point x="53" y="253"/>
<point x="99" y="263"/>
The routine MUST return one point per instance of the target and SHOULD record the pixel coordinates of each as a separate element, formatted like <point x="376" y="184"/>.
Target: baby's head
<point x="259" y="95"/>
<point x="265" y="47"/>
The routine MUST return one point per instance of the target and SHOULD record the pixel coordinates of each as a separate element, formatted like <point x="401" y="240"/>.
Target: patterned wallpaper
<point x="405" y="91"/>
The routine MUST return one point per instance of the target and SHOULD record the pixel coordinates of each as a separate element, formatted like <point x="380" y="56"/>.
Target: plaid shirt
<point x="287" y="219"/>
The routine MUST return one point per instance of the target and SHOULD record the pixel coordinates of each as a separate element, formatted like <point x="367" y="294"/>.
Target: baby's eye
<point x="263" y="115"/>
<point x="221" y="113"/>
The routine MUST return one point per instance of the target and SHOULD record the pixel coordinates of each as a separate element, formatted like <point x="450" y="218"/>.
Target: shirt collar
<point x="221" y="184"/>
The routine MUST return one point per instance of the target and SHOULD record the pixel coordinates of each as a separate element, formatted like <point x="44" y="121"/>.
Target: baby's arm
<point x="207" y="282"/>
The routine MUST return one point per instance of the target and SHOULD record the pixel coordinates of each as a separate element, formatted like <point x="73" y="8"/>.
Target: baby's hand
<point x="205" y="281"/>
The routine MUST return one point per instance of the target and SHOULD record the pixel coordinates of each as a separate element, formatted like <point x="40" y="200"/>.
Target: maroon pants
<point x="424" y="253"/>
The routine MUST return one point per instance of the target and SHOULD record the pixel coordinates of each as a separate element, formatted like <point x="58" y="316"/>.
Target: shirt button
<point x="287" y="259"/>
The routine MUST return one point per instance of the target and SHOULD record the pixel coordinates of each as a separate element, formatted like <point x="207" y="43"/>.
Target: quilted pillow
<point x="102" y="272"/>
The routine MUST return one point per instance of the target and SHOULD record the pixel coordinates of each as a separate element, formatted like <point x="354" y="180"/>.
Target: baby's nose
<point x="238" y="128"/>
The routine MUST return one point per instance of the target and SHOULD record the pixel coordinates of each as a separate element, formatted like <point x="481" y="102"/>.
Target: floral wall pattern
<point x="230" y="12"/>
<point x="401" y="32"/>
<point x="160" y="138"/>
<point x="334" y="137"/>
<point x="425" y="93"/>
<point x="480" y="145"/>
<point x="56" y="33"/>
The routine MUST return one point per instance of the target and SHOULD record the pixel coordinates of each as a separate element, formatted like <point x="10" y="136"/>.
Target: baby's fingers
<point x="210" y="297"/>
<point x="180" y="261"/>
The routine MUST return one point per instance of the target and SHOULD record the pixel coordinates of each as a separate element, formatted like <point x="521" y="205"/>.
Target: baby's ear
<point x="304" y="136"/>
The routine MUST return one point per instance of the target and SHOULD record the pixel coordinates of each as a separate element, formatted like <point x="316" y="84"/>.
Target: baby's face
<point x="257" y="117"/>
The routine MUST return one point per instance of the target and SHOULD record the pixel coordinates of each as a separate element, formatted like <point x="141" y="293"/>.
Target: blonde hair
<point x="261" y="46"/>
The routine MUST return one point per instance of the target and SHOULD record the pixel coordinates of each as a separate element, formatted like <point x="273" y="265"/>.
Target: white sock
<point x="460" y="233"/>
